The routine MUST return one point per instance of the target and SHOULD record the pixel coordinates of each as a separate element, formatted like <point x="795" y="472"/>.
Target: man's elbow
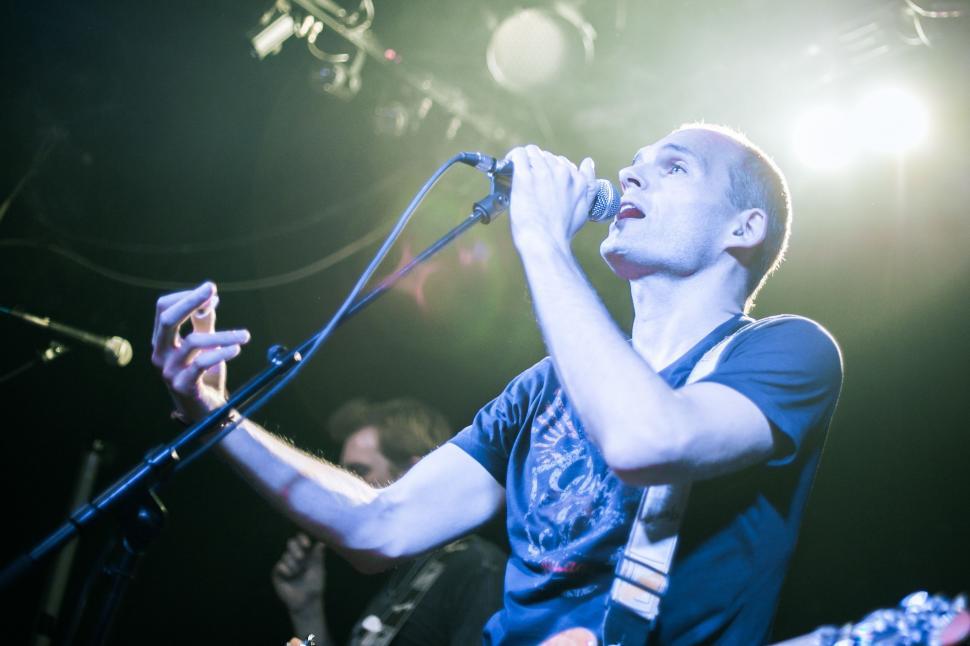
<point x="639" y="463"/>
<point x="374" y="543"/>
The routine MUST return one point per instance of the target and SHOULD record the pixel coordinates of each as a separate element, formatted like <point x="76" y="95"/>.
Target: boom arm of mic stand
<point x="160" y="462"/>
<point x="484" y="210"/>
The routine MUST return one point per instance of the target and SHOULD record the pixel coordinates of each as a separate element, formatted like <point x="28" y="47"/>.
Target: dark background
<point x="158" y="153"/>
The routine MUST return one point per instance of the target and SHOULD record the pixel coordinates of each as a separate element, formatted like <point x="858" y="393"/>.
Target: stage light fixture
<point x="824" y="138"/>
<point x="533" y="48"/>
<point x="891" y="120"/>
<point x="339" y="73"/>
<point x="276" y="29"/>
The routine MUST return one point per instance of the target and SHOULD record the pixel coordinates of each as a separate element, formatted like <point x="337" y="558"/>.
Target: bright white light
<point x="824" y="139"/>
<point x="527" y="50"/>
<point x="891" y="120"/>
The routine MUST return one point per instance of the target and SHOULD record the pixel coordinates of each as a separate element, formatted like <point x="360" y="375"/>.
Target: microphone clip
<point x="499" y="173"/>
<point x="497" y="199"/>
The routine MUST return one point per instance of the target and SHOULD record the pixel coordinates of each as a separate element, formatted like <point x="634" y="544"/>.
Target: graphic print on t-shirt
<point x="573" y="495"/>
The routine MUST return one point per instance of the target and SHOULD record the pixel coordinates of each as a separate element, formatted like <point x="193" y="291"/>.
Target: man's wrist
<point x="190" y="411"/>
<point x="540" y="245"/>
<point x="308" y="618"/>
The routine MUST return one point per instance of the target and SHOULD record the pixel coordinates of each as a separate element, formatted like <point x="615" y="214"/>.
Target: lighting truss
<point x="307" y="20"/>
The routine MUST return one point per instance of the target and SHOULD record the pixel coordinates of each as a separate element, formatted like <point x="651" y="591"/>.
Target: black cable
<point x="276" y="280"/>
<point x="355" y="199"/>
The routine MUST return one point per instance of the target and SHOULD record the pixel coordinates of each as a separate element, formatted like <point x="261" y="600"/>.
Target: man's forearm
<point x="620" y="399"/>
<point x="334" y="505"/>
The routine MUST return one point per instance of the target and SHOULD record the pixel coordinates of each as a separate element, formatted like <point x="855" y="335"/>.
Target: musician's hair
<point x="406" y="428"/>
<point x="756" y="181"/>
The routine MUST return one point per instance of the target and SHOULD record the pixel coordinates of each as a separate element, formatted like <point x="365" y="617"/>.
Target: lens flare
<point x="825" y="139"/>
<point x="892" y="120"/>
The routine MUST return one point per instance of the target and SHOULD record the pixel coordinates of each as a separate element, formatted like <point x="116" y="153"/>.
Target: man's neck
<point x="671" y="316"/>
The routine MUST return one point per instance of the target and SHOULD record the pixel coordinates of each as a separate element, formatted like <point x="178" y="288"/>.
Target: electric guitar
<point x="918" y="614"/>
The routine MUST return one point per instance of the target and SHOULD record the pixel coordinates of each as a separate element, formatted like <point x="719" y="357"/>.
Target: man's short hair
<point x="756" y="181"/>
<point x="406" y="428"/>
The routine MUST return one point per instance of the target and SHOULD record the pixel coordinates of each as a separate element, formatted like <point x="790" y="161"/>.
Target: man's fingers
<point x="201" y="340"/>
<point x="173" y="315"/>
<point x="283" y="569"/>
<point x="204" y="318"/>
<point x="184" y="382"/>
<point x="198" y="342"/>
<point x="587" y="168"/>
<point x="296" y="548"/>
<point x="287" y="567"/>
<point x="166" y="301"/>
<point x="519" y="159"/>
<point x="538" y="161"/>
<point x="158" y="341"/>
<point x="565" y="161"/>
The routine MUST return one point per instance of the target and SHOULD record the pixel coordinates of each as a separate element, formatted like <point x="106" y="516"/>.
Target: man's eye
<point x="676" y="167"/>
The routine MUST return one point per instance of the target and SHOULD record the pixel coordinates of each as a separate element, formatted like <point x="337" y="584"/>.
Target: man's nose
<point x="629" y="177"/>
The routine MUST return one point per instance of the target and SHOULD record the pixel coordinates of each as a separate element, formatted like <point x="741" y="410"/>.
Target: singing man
<point x="570" y="445"/>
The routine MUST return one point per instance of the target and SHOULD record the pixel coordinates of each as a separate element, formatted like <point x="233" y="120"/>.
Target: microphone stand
<point x="133" y="499"/>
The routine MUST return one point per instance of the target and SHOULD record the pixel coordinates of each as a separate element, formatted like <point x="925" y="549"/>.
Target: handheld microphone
<point x="117" y="351"/>
<point x="606" y="202"/>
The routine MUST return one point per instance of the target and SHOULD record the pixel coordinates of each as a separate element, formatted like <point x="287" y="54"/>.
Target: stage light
<point x="276" y="29"/>
<point x="891" y="120"/>
<point x="825" y="138"/>
<point x="532" y="48"/>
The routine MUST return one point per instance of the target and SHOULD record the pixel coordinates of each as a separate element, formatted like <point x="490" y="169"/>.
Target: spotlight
<point x="891" y="120"/>
<point x="276" y="29"/>
<point x="824" y="139"/>
<point x="532" y="48"/>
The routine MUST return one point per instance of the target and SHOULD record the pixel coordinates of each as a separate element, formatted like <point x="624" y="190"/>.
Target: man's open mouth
<point x="629" y="211"/>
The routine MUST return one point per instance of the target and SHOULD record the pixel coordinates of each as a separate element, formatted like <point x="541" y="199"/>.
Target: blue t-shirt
<point x="569" y="516"/>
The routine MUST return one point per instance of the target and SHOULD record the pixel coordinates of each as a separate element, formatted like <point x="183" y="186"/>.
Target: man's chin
<point x="617" y="260"/>
<point x="608" y="249"/>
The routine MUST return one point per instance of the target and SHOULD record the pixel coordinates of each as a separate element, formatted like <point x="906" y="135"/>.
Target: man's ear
<point x="748" y="229"/>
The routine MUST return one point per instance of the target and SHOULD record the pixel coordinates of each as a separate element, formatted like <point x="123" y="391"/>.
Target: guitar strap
<point x="386" y="616"/>
<point x="643" y="570"/>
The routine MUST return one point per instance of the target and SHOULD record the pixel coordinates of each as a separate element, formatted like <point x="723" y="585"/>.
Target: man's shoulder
<point x="792" y="330"/>
<point x="534" y="379"/>
<point x="786" y="342"/>
<point x="541" y="369"/>
<point x="788" y="322"/>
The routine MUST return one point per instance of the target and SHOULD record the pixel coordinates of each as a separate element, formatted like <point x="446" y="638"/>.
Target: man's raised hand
<point x="194" y="366"/>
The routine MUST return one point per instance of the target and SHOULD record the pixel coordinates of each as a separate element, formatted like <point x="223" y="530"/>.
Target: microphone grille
<point x="117" y="351"/>
<point x="606" y="203"/>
